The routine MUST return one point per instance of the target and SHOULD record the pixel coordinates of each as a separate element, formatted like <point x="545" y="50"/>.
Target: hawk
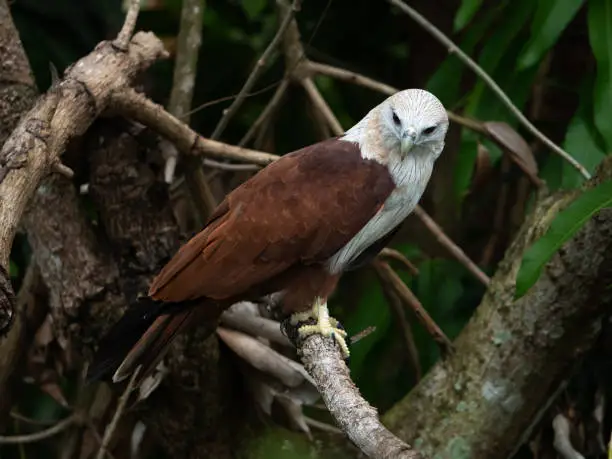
<point x="290" y="231"/>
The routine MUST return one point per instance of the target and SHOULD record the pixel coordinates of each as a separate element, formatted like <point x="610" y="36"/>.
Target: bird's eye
<point x="429" y="130"/>
<point x="396" y="119"/>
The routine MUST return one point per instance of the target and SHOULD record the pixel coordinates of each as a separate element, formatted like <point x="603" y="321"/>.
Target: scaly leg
<point x="326" y="325"/>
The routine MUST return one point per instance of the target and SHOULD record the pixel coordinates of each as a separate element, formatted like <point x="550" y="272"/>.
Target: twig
<point x="409" y="299"/>
<point x="267" y="112"/>
<point x="228" y="166"/>
<point x="398" y="256"/>
<point x="362" y="334"/>
<point x="137" y="107"/>
<point x="396" y="308"/>
<point x="110" y="428"/>
<point x="366" y="82"/>
<point x="351" y="77"/>
<point x="20" y="417"/>
<point x="43" y="434"/>
<point x="185" y="69"/>
<point x="62" y="169"/>
<point x="453" y="248"/>
<point x="453" y="48"/>
<point x="319" y="102"/>
<point x="500" y="214"/>
<point x="259" y="65"/>
<point x="126" y="32"/>
<point x="357" y="419"/>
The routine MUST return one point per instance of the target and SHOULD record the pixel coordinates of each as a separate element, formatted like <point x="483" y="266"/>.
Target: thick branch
<point x="357" y="418"/>
<point x="65" y="112"/>
<point x="511" y="357"/>
<point x="17" y="95"/>
<point x="139" y="108"/>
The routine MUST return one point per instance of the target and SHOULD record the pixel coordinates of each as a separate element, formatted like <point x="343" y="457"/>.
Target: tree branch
<point x="499" y="92"/>
<point x="65" y="112"/>
<point x="129" y="24"/>
<point x="17" y="96"/>
<point x="185" y="70"/>
<point x="456" y="251"/>
<point x="259" y="66"/>
<point x="112" y="425"/>
<point x="355" y="416"/>
<point x="362" y="80"/>
<point x="411" y="301"/>
<point x="513" y="355"/>
<point x="43" y="434"/>
<point x="183" y="81"/>
<point x="267" y="112"/>
<point x="139" y="108"/>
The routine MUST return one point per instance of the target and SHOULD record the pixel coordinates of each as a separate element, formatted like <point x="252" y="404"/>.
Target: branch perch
<point x="357" y="418"/>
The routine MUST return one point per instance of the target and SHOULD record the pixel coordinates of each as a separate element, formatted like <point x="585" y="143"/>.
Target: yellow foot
<point x="326" y="325"/>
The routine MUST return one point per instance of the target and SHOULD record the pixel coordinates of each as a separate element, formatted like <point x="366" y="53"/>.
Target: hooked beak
<point x="408" y="140"/>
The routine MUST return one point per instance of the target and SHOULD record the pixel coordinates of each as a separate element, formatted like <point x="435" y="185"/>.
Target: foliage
<point x="565" y="224"/>
<point x="537" y="51"/>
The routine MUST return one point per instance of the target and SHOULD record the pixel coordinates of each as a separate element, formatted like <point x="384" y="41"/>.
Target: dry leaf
<point x="262" y="357"/>
<point x="482" y="167"/>
<point x="293" y="410"/>
<point x="49" y="384"/>
<point x="516" y="147"/>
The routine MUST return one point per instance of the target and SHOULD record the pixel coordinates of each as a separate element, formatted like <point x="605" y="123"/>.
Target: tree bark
<point x="189" y="412"/>
<point x="512" y="357"/>
<point x="17" y="95"/>
<point x="93" y="271"/>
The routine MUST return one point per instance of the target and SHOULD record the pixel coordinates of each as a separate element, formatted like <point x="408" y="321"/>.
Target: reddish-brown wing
<point x="300" y="209"/>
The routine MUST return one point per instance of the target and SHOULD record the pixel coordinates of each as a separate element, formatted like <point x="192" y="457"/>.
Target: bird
<point x="291" y="230"/>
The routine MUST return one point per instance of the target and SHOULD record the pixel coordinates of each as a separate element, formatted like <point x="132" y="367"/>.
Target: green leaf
<point x="581" y="144"/>
<point x="13" y="269"/>
<point x="253" y="8"/>
<point x="445" y="82"/>
<point x="498" y="60"/>
<point x="372" y="310"/>
<point x="465" y="13"/>
<point x="439" y="287"/>
<point x="600" y="37"/>
<point x="550" y="19"/>
<point x="464" y="168"/>
<point x="562" y="228"/>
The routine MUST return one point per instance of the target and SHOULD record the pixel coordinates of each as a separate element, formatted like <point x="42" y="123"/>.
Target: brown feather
<point x="299" y="210"/>
<point x="153" y="345"/>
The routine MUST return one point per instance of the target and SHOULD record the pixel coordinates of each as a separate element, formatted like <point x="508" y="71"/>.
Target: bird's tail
<point x="140" y="338"/>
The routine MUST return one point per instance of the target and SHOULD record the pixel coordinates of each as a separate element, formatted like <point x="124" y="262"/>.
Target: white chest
<point x="411" y="177"/>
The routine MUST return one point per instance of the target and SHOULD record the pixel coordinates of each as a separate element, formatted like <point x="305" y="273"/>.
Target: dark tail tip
<point x="122" y="336"/>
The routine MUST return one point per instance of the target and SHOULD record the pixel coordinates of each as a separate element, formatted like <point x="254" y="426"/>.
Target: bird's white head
<point x="410" y="122"/>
